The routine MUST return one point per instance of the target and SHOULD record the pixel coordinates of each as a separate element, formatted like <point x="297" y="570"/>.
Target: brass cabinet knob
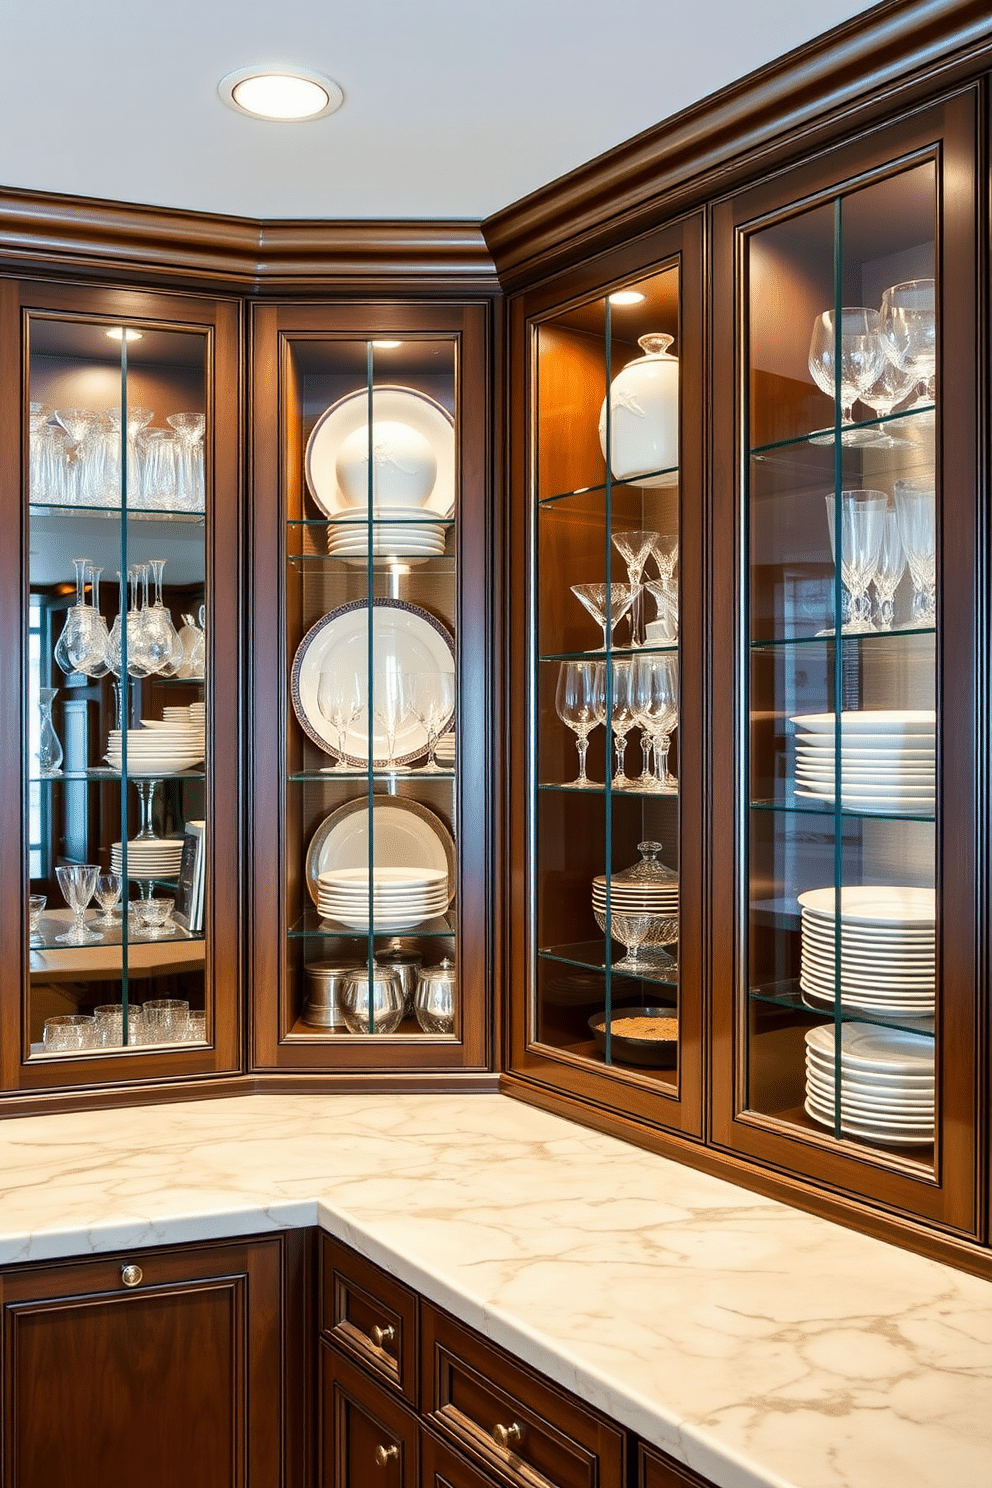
<point x="131" y="1276"/>
<point x="382" y="1336"/>
<point x="385" y="1455"/>
<point x="508" y="1436"/>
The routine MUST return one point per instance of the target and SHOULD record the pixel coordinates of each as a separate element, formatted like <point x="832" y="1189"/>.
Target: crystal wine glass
<point x="580" y="702"/>
<point x="862" y="527"/>
<point x="635" y="549"/>
<point x="891" y="567"/>
<point x="340" y="699"/>
<point x="656" y="695"/>
<point x="189" y="429"/>
<point x="847" y="369"/>
<point x="606" y="603"/>
<point x="108" y="893"/>
<point x="916" y="511"/>
<point x="392" y="708"/>
<point x="623" y="713"/>
<point x="433" y="703"/>
<point x="77" y="882"/>
<point x="909" y="331"/>
<point x="890" y="388"/>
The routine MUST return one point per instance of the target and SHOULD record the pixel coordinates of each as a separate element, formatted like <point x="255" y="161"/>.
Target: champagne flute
<point x="862" y="527"/>
<point x="391" y="706"/>
<point x="891" y="567"/>
<point x="915" y="500"/>
<point x="580" y="702"/>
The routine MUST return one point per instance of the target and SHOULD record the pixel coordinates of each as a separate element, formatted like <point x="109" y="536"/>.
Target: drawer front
<point x="440" y="1467"/>
<point x="504" y="1417"/>
<point x="370" y="1316"/>
<point x="368" y="1437"/>
<point x="655" y="1470"/>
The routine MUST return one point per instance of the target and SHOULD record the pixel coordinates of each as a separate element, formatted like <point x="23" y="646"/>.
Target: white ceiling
<point x="453" y="108"/>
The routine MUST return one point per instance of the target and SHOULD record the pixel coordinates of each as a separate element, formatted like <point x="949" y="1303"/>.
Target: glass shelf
<point x="827" y="810"/>
<point x="416" y="519"/>
<point x="118" y="513"/>
<point x="922" y="414"/>
<point x="311" y="925"/>
<point x="789" y="995"/>
<point x="98" y="775"/>
<point x="610" y="486"/>
<point x="620" y="653"/>
<point x="378" y="776"/>
<point x="870" y="638"/>
<point x="600" y="790"/>
<point x="592" y="953"/>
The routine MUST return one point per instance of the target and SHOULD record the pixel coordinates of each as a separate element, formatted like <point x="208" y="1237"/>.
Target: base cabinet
<point x="153" y="1367"/>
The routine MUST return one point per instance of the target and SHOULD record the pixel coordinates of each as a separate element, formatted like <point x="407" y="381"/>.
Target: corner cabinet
<point x="825" y="835"/>
<point x="120" y="576"/>
<point x="373" y="731"/>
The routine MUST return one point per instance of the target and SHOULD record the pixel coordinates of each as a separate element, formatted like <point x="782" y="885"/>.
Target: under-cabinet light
<point x="626" y="297"/>
<point x="386" y="345"/>
<point x="281" y="97"/>
<point x="117" y="333"/>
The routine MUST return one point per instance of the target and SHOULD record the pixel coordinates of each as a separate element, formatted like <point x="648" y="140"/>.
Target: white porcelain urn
<point x="644" y="416"/>
<point x="403" y="463"/>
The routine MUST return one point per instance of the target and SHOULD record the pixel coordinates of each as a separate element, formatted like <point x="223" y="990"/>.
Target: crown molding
<point x="69" y="235"/>
<point x="891" y="55"/>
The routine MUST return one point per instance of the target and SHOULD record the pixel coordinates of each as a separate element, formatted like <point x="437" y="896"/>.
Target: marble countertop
<point x="758" y="1344"/>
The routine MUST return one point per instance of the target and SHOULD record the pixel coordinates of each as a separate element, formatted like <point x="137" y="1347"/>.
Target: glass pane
<point x="371" y="596"/>
<point x="606" y="622"/>
<point x="117" y="527"/>
<point x="842" y="523"/>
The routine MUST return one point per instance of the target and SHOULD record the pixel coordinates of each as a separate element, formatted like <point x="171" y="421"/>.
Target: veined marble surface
<point x="760" y="1345"/>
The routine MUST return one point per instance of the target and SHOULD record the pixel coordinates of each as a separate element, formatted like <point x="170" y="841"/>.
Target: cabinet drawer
<point x="440" y="1467"/>
<point x="368" y="1438"/>
<point x="520" y="1428"/>
<point x="655" y="1470"/>
<point x="369" y="1315"/>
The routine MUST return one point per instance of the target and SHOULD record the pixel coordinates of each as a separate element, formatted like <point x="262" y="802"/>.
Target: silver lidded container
<point x="407" y="966"/>
<point x="435" y="1000"/>
<point x="325" y="980"/>
<point x="372" y="1005"/>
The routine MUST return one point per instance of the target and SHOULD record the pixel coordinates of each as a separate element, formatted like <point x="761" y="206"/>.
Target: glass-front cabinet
<point x="855" y="737"/>
<point x="372" y="829"/>
<point x="612" y="535"/>
<point x="111" y="680"/>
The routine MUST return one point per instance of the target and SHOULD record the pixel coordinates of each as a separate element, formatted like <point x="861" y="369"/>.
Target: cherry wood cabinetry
<point x="159" y="1367"/>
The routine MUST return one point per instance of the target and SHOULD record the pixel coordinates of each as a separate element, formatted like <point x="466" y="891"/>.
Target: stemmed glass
<point x="623" y="715"/>
<point x="862" y="527"/>
<point x="656" y="698"/>
<point x="83" y="642"/>
<point x="890" y="388"/>
<point x="162" y="650"/>
<point x="190" y="429"/>
<point x="80" y="425"/>
<point x="340" y="699"/>
<point x="108" y="893"/>
<point x="134" y="631"/>
<point x="77" y="882"/>
<point x="138" y="419"/>
<point x="597" y="597"/>
<point x="580" y="702"/>
<point x="392" y="707"/>
<point x="909" y="331"/>
<point x="635" y="549"/>
<point x="146" y="795"/>
<point x="851" y="368"/>
<point x="667" y="615"/>
<point x="891" y="567"/>
<point x="433" y="703"/>
<point x="916" y="510"/>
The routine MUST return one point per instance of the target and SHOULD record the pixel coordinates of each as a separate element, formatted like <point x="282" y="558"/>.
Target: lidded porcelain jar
<point x="644" y="410"/>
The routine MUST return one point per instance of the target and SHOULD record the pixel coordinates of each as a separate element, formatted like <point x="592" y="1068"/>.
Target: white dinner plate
<point x="405" y="638"/>
<point x="866" y="774"/>
<point x="886" y="721"/>
<point x="874" y="904"/>
<point x="867" y="793"/>
<point x="910" y="1105"/>
<point x="891" y="1133"/>
<point x="404" y="834"/>
<point x="913" y="1086"/>
<point x="871" y="746"/>
<point x="865" y="1046"/>
<point x="918" y="1122"/>
<point x="391" y="404"/>
<point x="867" y="953"/>
<point x="921" y="1016"/>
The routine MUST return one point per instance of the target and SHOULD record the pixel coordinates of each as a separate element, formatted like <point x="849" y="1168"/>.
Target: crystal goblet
<point x="580" y="702"/>
<point x="909" y="331"/>
<point x="77" y="882"/>
<point x="844" y="365"/>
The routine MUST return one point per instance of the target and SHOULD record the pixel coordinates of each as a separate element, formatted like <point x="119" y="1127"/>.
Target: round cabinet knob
<point x="382" y="1336"/>
<point x="131" y="1276"/>
<point x="510" y="1436"/>
<point x="385" y="1455"/>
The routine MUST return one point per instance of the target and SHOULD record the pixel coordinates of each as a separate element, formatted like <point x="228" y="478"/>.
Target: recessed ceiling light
<point x="386" y="345"/>
<point x="285" y="97"/>
<point x="117" y="333"/>
<point x="626" y="297"/>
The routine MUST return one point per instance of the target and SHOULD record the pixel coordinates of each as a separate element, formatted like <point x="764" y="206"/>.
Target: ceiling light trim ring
<point x="229" y="84"/>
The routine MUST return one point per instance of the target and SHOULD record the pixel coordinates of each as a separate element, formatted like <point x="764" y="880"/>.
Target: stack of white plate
<point x="887" y="761"/>
<point x="393" y="532"/>
<point x="158" y="748"/>
<point x="637" y="898"/>
<point x="445" y="752"/>
<point x="394" y="898"/>
<point x="886" y="1083"/>
<point x="149" y="857"/>
<point x="886" y="945"/>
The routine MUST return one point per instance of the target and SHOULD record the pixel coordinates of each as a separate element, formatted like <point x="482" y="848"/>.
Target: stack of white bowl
<point x="886" y="1083"/>
<point x="887" y="761"/>
<point x="149" y="857"/>
<point x="404" y="474"/>
<point x="392" y="898"/>
<point x="161" y="746"/>
<point x="883" y="957"/>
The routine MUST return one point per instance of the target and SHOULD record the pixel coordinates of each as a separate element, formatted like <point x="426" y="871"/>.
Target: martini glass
<point x="77" y="882"/>
<point x="606" y="603"/>
<point x="635" y="549"/>
<point x="668" y="609"/>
